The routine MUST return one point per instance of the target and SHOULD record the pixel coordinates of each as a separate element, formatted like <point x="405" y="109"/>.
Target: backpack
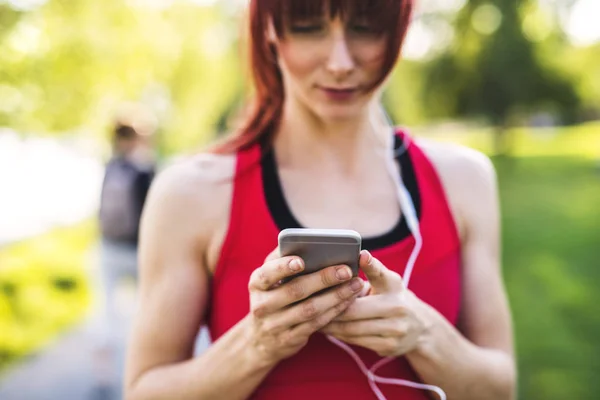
<point x="120" y="208"/>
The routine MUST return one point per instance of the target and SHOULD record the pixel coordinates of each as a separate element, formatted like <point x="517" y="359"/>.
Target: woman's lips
<point x="339" y="94"/>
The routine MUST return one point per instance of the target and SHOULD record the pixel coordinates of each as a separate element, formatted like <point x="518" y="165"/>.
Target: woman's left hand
<point x="389" y="319"/>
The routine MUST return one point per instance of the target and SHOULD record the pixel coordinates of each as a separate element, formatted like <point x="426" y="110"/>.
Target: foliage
<point x="494" y="70"/>
<point x="85" y="57"/>
<point x="581" y="64"/>
<point x="44" y="289"/>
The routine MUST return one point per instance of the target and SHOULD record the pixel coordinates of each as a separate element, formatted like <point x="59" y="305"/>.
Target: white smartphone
<point x="321" y="248"/>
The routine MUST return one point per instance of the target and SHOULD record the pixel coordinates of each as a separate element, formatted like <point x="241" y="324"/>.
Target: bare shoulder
<point x="196" y="177"/>
<point x="194" y="194"/>
<point x="458" y="159"/>
<point x="468" y="177"/>
<point x="199" y="179"/>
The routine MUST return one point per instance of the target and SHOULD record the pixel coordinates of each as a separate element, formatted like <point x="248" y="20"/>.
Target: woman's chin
<point x="339" y="112"/>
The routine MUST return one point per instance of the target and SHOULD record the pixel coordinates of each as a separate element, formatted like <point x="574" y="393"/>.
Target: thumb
<point x="380" y="277"/>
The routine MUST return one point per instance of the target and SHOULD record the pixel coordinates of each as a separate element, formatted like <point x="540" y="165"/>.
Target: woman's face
<point x="329" y="66"/>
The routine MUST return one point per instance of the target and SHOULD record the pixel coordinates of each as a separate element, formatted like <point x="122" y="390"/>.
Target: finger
<point x="367" y="327"/>
<point x="381" y="279"/>
<point x="305" y="286"/>
<point x="379" y="344"/>
<point x="314" y="307"/>
<point x="366" y="289"/>
<point x="272" y="271"/>
<point x="309" y="327"/>
<point x="366" y="308"/>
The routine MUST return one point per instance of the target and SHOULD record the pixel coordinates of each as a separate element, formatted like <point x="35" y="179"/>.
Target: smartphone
<point x="321" y="248"/>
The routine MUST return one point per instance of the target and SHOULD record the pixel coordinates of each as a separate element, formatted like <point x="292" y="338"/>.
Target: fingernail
<point x="343" y="273"/>
<point x="296" y="265"/>
<point x="356" y="285"/>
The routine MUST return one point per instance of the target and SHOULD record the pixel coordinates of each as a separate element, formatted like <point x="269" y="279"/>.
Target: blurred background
<point x="518" y="80"/>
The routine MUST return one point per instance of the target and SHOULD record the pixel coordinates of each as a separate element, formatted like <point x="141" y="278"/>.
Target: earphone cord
<point x="408" y="210"/>
<point x="371" y="373"/>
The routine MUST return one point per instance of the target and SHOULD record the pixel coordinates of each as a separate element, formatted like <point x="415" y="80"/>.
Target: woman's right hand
<point x="282" y="316"/>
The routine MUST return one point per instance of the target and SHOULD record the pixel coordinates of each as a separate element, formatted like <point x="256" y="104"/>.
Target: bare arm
<point x="480" y="364"/>
<point x="173" y="302"/>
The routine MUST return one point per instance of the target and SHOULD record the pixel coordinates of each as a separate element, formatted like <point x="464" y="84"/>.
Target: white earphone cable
<point x="408" y="210"/>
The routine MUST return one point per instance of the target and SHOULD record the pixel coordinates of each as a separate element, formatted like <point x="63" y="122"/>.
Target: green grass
<point x="581" y="141"/>
<point x="551" y="239"/>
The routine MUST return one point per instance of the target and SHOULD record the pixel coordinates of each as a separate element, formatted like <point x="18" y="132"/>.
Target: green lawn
<point x="551" y="242"/>
<point x="581" y="141"/>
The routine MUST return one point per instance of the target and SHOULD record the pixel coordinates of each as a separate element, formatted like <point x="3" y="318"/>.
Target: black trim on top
<point x="284" y="218"/>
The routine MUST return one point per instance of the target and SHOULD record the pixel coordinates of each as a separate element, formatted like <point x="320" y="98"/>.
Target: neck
<point x="304" y="138"/>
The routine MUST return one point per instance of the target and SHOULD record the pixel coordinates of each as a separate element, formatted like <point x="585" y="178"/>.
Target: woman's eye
<point x="306" y="28"/>
<point x="368" y="29"/>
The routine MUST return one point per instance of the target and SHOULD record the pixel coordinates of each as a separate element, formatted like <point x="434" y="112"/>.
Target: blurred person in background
<point x="314" y="152"/>
<point x="127" y="179"/>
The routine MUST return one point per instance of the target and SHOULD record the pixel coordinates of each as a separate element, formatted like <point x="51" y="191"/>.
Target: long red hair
<point x="266" y="108"/>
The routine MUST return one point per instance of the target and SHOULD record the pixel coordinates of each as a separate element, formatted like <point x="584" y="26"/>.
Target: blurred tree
<point x="493" y="70"/>
<point x="583" y="67"/>
<point x="8" y="18"/>
<point x="66" y="66"/>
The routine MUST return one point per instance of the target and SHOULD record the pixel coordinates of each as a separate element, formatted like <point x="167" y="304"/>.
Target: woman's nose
<point x="340" y="62"/>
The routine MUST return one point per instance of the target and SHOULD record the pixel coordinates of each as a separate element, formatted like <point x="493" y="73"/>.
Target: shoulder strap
<point x="245" y="203"/>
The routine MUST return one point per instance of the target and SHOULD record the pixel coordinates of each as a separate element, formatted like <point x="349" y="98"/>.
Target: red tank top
<point x="321" y="370"/>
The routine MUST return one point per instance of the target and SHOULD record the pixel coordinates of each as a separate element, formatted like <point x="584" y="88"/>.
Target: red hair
<point x="266" y="109"/>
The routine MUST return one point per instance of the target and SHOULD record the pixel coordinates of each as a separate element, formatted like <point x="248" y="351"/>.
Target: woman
<point x="311" y="155"/>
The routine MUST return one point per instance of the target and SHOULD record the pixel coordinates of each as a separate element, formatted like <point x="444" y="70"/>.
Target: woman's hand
<point x="389" y="319"/>
<point x="282" y="316"/>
